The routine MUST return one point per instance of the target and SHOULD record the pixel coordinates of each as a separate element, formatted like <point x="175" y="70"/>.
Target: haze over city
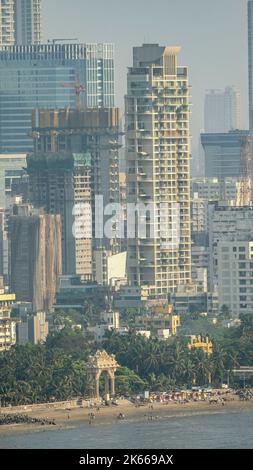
<point x="213" y="37"/>
<point x="126" y="229"/>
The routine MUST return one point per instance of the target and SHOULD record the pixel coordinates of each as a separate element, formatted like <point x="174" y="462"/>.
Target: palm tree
<point x="232" y="360"/>
<point x="204" y="369"/>
<point x="152" y="359"/>
<point x="219" y="360"/>
<point x="190" y="371"/>
<point x="176" y="363"/>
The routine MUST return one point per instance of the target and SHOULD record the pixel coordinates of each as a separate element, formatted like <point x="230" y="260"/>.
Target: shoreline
<point x="67" y="419"/>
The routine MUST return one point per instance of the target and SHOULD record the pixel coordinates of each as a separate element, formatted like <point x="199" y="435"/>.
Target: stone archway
<point x="99" y="363"/>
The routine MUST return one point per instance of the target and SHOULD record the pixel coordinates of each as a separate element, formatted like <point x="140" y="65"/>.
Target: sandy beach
<point x="65" y="418"/>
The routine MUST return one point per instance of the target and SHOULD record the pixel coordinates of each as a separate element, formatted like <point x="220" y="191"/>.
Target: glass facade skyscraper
<point x="45" y="76"/>
<point x="250" y="50"/>
<point x="223" y="154"/>
<point x="222" y="110"/>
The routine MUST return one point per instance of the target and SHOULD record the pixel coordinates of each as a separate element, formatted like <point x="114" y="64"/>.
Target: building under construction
<point x="244" y="193"/>
<point x="35" y="257"/>
<point x="76" y="157"/>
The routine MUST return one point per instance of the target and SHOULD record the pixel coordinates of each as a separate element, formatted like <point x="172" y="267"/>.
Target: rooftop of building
<point x="56" y="50"/>
<point x="72" y="118"/>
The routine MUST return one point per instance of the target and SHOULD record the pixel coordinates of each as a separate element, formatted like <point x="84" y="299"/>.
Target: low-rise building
<point x="110" y="320"/>
<point x="161" y="321"/>
<point x="73" y="294"/>
<point x="110" y="268"/>
<point x="204" y="344"/>
<point x="189" y="299"/>
<point x="131" y="297"/>
<point x="32" y="329"/>
<point x="7" y="330"/>
<point x="7" y="300"/>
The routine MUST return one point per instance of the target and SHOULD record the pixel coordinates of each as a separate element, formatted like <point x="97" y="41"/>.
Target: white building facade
<point x="227" y="224"/>
<point x="235" y="277"/>
<point x="158" y="167"/>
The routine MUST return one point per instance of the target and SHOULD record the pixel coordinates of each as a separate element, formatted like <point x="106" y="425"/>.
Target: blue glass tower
<point x="44" y="76"/>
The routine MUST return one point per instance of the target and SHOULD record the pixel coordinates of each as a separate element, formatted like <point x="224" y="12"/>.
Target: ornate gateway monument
<point x="99" y="363"/>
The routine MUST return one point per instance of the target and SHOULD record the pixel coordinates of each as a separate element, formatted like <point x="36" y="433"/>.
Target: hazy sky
<point x="212" y="33"/>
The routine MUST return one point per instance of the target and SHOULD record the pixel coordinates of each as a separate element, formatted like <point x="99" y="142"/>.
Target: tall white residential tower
<point x="7" y="37"/>
<point x="20" y="22"/>
<point x="158" y="166"/>
<point x="27" y="22"/>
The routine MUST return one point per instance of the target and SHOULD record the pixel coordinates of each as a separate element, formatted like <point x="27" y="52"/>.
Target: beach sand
<point x="109" y="415"/>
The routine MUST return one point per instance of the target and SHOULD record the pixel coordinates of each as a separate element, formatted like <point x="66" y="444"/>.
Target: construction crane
<point x="244" y="196"/>
<point x="79" y="88"/>
<point x="54" y="41"/>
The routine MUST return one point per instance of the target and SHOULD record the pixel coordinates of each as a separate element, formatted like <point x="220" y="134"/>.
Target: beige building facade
<point x="158" y="167"/>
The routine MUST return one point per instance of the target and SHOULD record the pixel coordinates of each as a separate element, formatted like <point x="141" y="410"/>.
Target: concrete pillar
<point x="97" y="377"/>
<point x="112" y="385"/>
<point x="107" y="385"/>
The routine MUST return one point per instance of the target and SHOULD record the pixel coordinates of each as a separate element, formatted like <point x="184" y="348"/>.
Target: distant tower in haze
<point x="250" y="50"/>
<point x="222" y="110"/>
<point x="27" y="21"/>
<point x="250" y="65"/>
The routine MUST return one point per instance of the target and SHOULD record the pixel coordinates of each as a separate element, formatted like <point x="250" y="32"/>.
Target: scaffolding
<point x="244" y="196"/>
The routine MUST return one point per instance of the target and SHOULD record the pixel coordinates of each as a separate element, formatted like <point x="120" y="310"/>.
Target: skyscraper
<point x="20" y="22"/>
<point x="35" y="253"/>
<point x="158" y="164"/>
<point x="250" y="52"/>
<point x="27" y="21"/>
<point x="222" y="110"/>
<point x="223" y="154"/>
<point x="76" y="158"/>
<point x="45" y="76"/>
<point x="7" y="36"/>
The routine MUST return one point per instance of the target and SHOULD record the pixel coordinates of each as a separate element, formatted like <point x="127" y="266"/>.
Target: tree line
<point x="56" y="370"/>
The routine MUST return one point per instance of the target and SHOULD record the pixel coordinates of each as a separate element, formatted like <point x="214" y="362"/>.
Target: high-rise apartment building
<point x="46" y="76"/>
<point x="235" y="276"/>
<point x="222" y="110"/>
<point x="20" y="22"/>
<point x="27" y="21"/>
<point x="76" y="157"/>
<point x="250" y="52"/>
<point x="158" y="167"/>
<point x="227" y="224"/>
<point x="7" y="36"/>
